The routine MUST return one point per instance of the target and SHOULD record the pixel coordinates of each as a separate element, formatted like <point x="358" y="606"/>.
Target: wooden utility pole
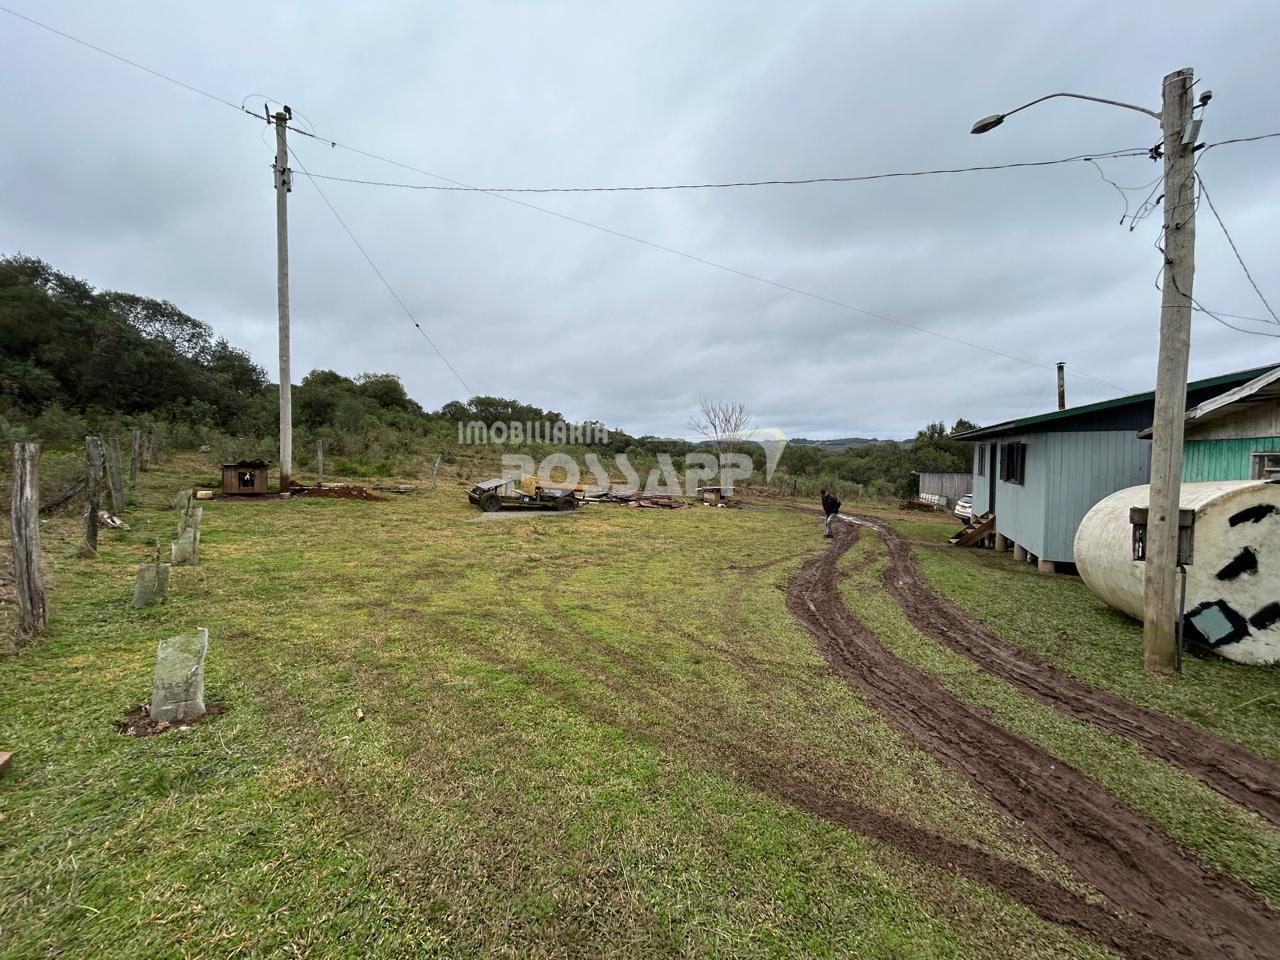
<point x="1062" y="385"/>
<point x="24" y="514"/>
<point x="1160" y="587"/>
<point x="92" y="495"/>
<point x="284" y="183"/>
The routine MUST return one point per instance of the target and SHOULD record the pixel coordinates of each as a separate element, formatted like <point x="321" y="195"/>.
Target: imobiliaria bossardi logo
<point x="723" y="464"/>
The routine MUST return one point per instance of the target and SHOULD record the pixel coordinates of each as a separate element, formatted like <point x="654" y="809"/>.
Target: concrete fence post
<point x="115" y="475"/>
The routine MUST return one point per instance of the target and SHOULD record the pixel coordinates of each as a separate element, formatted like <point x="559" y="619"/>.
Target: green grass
<point x="1103" y="647"/>
<point x="556" y="713"/>
<point x="1218" y="831"/>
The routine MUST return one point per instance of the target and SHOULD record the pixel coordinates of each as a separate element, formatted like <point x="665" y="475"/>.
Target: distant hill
<point x="839" y="445"/>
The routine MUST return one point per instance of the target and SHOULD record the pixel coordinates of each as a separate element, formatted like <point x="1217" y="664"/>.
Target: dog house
<point x="712" y="495"/>
<point x="244" y="478"/>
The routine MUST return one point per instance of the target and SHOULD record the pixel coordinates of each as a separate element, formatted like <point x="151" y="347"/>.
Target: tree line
<point x="76" y="360"/>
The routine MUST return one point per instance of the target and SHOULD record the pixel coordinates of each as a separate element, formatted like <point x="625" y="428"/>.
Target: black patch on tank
<point x="1215" y="623"/>
<point x="1246" y="561"/>
<point x="1265" y="617"/>
<point x="1252" y="514"/>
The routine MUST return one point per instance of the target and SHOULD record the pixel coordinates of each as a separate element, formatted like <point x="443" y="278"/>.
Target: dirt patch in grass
<point x="138" y="723"/>
<point x="1227" y="767"/>
<point x="339" y="491"/>
<point x="1117" y="849"/>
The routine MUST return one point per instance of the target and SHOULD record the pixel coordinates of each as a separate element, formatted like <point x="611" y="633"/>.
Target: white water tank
<point x="1233" y="581"/>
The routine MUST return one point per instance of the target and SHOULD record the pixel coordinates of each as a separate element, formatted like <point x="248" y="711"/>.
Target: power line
<point x="500" y="194"/>
<point x="133" y="63"/>
<point x="1234" y="249"/>
<point x="1223" y="143"/>
<point x="1082" y="158"/>
<point x="726" y="269"/>
<point x="469" y="187"/>
<point x="390" y="289"/>
<point x="1200" y="308"/>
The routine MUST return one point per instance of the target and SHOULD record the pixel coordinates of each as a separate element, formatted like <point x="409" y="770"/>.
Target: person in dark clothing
<point x="830" y="507"/>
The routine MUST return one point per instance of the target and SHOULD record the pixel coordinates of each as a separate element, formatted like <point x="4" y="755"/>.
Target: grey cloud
<point x="138" y="185"/>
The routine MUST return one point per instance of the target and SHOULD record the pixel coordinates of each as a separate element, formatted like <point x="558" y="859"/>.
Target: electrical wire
<point x="616" y="233"/>
<point x="133" y="63"/>
<point x="1122" y="191"/>
<point x="499" y="193"/>
<point x="386" y="283"/>
<point x="831" y="301"/>
<point x="1034" y="401"/>
<point x="1234" y="249"/>
<point x="1201" y="308"/>
<point x="1223" y="143"/>
<point x="1082" y="158"/>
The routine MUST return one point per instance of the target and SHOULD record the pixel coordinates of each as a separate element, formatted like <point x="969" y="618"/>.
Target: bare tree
<point x="726" y="423"/>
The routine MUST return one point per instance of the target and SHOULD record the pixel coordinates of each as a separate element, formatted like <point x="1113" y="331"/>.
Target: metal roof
<point x="1020" y="425"/>
<point x="1259" y="389"/>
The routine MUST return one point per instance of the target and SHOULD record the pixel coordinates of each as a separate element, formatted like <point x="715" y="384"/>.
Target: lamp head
<point x="988" y="123"/>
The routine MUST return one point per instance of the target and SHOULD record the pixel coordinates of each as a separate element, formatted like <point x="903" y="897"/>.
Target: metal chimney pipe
<point x="1062" y="385"/>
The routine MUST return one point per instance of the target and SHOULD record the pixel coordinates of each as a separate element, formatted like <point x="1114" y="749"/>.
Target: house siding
<point x="1083" y="468"/>
<point x="1066" y="474"/>
<point x="1223" y="459"/>
<point x="1019" y="507"/>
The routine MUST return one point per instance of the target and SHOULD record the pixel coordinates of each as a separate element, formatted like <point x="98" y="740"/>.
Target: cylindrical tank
<point x="1233" y="581"/>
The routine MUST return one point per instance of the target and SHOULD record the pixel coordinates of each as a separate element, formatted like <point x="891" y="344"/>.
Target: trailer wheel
<point x="490" y="502"/>
<point x="567" y="502"/>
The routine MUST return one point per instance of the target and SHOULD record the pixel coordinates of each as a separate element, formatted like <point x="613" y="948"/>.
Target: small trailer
<point x="523" y="493"/>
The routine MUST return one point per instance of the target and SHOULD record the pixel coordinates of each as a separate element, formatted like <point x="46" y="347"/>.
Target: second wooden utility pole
<point x="283" y="183"/>
<point x="1160" y="586"/>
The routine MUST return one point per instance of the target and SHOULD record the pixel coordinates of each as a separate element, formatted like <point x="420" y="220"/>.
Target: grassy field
<point x="581" y="733"/>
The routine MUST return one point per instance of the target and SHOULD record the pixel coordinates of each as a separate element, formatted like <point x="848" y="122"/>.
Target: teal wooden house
<point x="1235" y="435"/>
<point x="1038" y="476"/>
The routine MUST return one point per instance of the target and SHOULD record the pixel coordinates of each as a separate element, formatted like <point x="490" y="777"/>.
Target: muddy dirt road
<point x="1232" y="770"/>
<point x="1113" y="847"/>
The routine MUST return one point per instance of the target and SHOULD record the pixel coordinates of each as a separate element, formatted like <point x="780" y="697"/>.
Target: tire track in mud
<point x="1116" y="849"/>
<point x="801" y="778"/>
<point x="1232" y="770"/>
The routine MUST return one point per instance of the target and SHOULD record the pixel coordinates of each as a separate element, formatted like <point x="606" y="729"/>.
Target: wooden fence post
<point x="148" y="445"/>
<point x="92" y="495"/>
<point x="24" y="512"/>
<point x="135" y="457"/>
<point x="115" y="475"/>
<point x="320" y="459"/>
<point x="435" y="470"/>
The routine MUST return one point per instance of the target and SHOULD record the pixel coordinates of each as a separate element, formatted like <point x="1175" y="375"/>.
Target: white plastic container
<point x="1233" y="582"/>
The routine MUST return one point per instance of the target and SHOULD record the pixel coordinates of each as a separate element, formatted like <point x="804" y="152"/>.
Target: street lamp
<point x="1160" y="597"/>
<point x="993" y="121"/>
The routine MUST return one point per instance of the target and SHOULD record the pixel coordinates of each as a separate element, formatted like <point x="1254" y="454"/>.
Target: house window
<point x="1013" y="462"/>
<point x="1266" y="466"/>
<point x="982" y="459"/>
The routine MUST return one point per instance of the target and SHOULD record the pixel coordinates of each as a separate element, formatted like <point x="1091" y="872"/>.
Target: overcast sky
<point x="135" y="184"/>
